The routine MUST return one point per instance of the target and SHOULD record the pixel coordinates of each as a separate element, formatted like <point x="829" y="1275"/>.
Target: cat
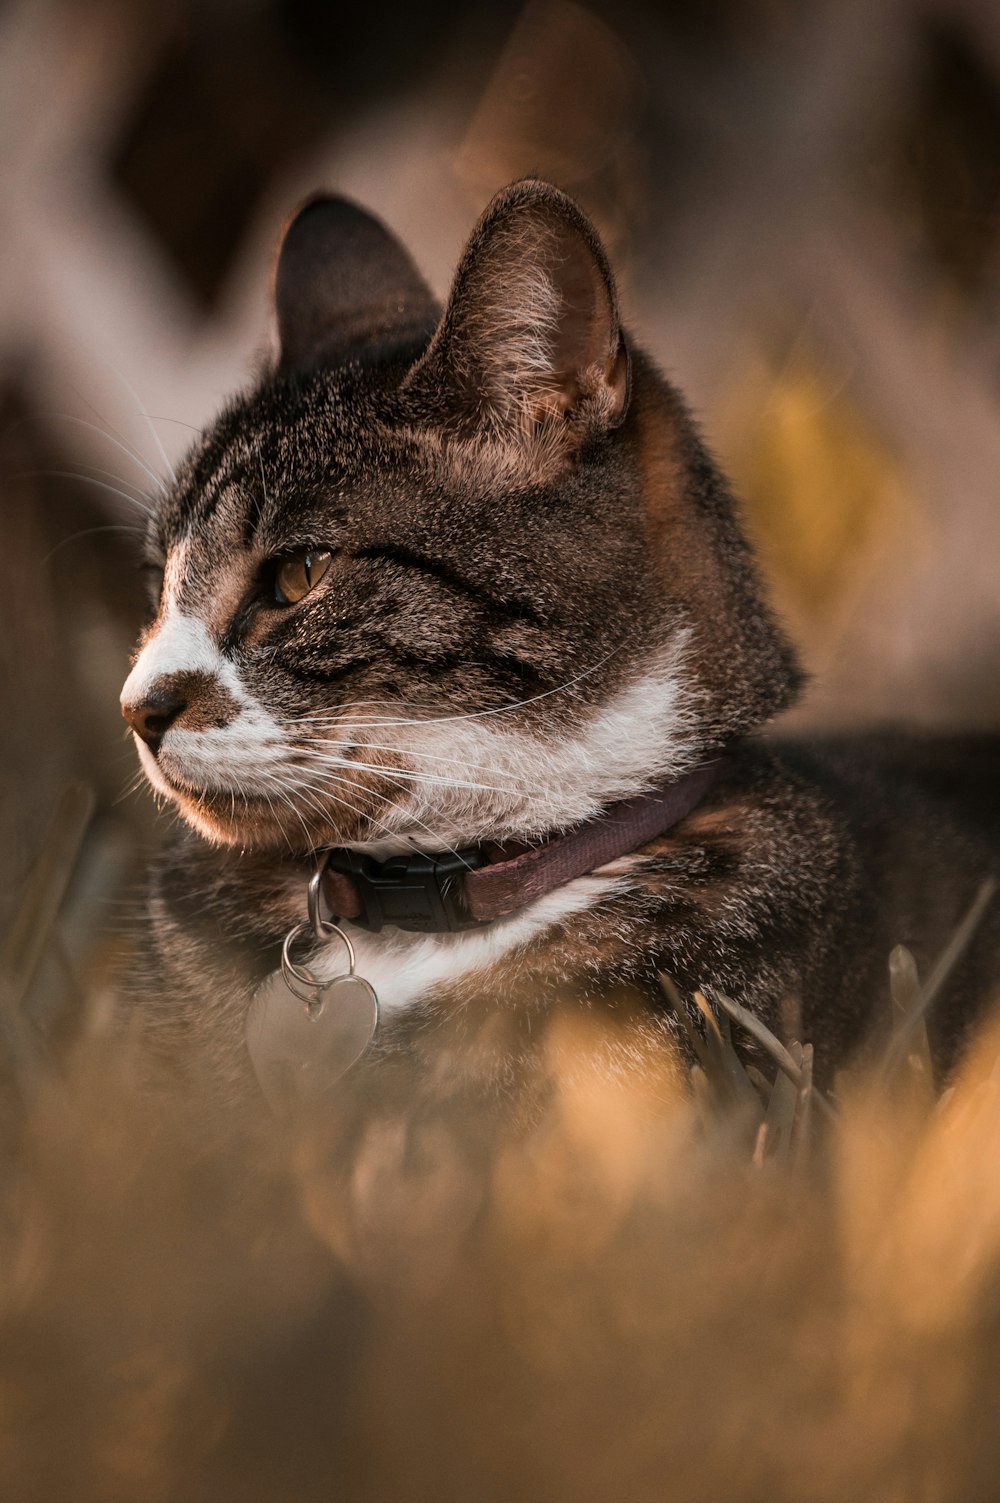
<point x="470" y="580"/>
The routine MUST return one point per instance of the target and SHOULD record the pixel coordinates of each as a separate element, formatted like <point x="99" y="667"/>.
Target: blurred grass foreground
<point x="633" y="1286"/>
<point x="614" y="1288"/>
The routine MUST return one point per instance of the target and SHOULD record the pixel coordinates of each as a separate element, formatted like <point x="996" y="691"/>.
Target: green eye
<point x="299" y="573"/>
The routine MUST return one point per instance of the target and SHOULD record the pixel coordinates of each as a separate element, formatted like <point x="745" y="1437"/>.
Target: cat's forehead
<point x="277" y="453"/>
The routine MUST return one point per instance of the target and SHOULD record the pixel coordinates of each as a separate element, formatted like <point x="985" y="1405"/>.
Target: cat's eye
<point x="299" y="573"/>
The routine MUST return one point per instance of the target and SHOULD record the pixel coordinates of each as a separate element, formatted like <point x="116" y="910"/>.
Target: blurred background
<point x="801" y="200"/>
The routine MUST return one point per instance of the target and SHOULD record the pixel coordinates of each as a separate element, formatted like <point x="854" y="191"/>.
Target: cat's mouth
<point x="256" y="821"/>
<point x="280" y="818"/>
<point x="209" y="801"/>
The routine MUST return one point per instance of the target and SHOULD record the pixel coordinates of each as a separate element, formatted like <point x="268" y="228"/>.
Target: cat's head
<point x="445" y="578"/>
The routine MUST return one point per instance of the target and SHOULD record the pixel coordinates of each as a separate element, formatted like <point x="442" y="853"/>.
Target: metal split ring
<point x="322" y="928"/>
<point x="298" y="977"/>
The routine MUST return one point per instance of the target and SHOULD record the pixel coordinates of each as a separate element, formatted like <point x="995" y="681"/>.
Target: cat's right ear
<point x="530" y="350"/>
<point x="344" y="286"/>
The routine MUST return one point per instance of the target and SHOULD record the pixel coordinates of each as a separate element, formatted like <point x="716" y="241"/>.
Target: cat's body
<point x="447" y="583"/>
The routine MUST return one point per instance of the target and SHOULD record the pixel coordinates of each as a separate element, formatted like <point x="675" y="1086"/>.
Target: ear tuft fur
<point x="345" y="288"/>
<point x="530" y="339"/>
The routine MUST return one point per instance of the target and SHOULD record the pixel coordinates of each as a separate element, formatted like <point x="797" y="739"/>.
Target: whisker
<point x="325" y="760"/>
<point x="346" y="782"/>
<point x="117" y="371"/>
<point x="283" y="800"/>
<point x="143" y="413"/>
<point x="304" y="789"/>
<point x="158" y="417"/>
<point x="351" y="704"/>
<point x="133" y="785"/>
<point x="332" y="716"/>
<point x="284" y="833"/>
<point x="316" y="808"/>
<point x="263" y="482"/>
<point x="397" y="750"/>
<point x="119" y="443"/>
<point x="87" y="532"/>
<point x="84" y="466"/>
<point x="437" y="757"/>
<point x="89" y="480"/>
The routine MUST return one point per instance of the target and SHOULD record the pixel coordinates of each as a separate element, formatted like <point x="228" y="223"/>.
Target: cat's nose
<point x="153" y="716"/>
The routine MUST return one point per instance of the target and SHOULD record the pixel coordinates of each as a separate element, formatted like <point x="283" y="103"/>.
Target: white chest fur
<point x="404" y="968"/>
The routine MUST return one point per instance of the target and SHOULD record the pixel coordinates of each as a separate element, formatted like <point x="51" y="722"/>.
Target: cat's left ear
<point x="530" y="341"/>
<point x="344" y="287"/>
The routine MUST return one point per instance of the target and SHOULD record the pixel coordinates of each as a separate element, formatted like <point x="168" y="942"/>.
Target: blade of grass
<point x="774" y="1047"/>
<point x="45" y="890"/>
<point x="801" y="1136"/>
<point x="779" y="1118"/>
<point x="733" y="1079"/>
<point x="904" y="988"/>
<point x="682" y="1015"/>
<point x="950" y="956"/>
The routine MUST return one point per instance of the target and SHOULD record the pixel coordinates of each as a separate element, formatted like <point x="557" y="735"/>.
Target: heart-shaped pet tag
<point x="300" y="1050"/>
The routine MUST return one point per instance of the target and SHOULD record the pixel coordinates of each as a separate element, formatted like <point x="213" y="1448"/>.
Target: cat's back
<point x="949" y="778"/>
<point x="925" y="811"/>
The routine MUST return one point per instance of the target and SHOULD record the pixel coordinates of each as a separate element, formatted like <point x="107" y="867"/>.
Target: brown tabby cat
<point x="466" y="581"/>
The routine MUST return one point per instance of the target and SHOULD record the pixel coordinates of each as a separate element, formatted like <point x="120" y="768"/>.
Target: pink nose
<point x="154" y="716"/>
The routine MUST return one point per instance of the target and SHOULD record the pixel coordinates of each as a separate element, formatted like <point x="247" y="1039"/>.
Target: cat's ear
<point x="530" y="339"/>
<point x="343" y="284"/>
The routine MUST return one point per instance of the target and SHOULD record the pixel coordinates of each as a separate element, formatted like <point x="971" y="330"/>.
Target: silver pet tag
<point x="299" y="1049"/>
<point x="303" y="1034"/>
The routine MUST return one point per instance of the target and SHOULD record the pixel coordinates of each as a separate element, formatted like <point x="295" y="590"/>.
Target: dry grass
<point x="628" y="1292"/>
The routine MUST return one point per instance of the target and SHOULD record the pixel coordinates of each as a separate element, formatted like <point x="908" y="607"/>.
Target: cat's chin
<point x="275" y="820"/>
<point x="254" y="822"/>
<point x="245" y="821"/>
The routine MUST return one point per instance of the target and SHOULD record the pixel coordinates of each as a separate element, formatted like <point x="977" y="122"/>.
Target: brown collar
<point x="466" y="888"/>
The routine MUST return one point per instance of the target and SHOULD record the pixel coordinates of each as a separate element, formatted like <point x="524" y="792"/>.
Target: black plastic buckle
<point x="413" y="891"/>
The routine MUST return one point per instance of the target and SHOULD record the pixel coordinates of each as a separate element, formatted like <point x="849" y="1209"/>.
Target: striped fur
<point x="540" y="601"/>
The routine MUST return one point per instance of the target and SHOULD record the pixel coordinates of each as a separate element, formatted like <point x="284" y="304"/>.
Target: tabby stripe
<point x="409" y="559"/>
<point x="255" y="510"/>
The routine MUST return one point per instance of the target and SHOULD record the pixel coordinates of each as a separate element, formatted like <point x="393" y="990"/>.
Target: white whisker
<point x="87" y="532"/>
<point x="304" y="788"/>
<point x="126" y="449"/>
<point x="376" y="723"/>
<point x="143" y="413"/>
<point x="398" y="751"/>
<point x="325" y="760"/>
<point x="95" y="469"/>
<point x="322" y="788"/>
<point x="89" y="480"/>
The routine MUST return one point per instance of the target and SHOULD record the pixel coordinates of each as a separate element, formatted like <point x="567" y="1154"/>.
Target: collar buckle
<point x="414" y="891"/>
